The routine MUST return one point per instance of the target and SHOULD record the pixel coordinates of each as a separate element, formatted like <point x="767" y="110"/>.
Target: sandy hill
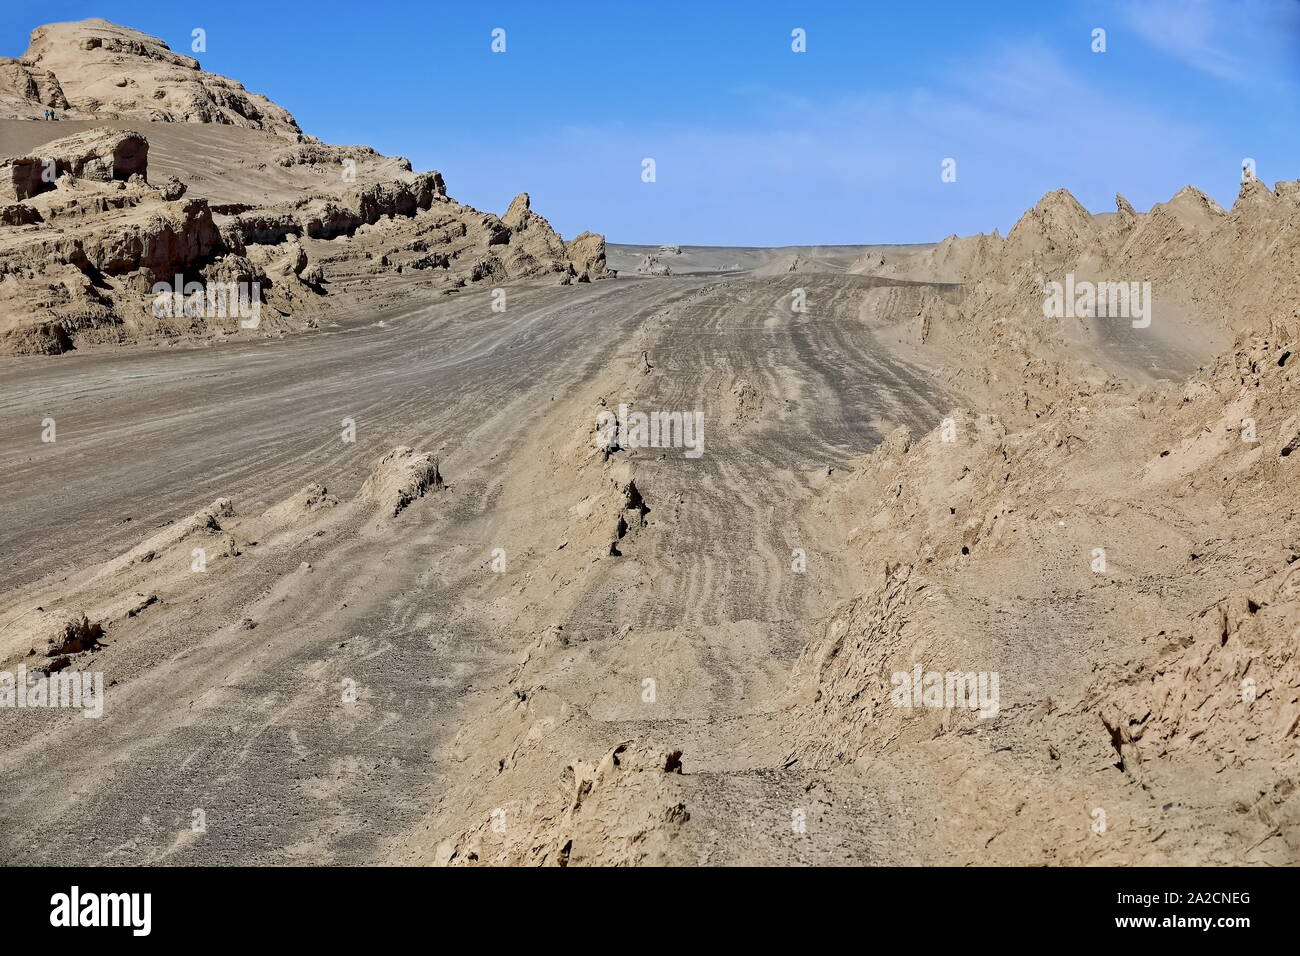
<point x="169" y="171"/>
<point x="93" y="68"/>
<point x="1212" y="273"/>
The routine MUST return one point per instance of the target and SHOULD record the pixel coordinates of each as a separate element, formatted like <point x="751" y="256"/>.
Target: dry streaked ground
<point x="463" y="633"/>
<point x="247" y="722"/>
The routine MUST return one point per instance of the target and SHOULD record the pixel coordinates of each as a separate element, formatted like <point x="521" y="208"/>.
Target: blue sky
<point x="755" y="144"/>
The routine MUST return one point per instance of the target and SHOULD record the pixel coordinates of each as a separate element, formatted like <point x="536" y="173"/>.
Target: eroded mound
<point x="94" y="68"/>
<point x="399" y="477"/>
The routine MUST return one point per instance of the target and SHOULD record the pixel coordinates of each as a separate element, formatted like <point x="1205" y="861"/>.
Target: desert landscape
<point x="403" y="532"/>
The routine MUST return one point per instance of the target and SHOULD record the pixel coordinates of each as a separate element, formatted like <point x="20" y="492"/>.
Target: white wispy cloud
<point x="1238" y="42"/>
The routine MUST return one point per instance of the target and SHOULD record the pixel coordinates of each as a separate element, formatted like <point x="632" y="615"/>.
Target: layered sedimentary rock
<point x="85" y="237"/>
<point x="93" y="68"/>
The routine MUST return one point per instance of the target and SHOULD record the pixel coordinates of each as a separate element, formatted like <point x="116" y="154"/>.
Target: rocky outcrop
<point x="81" y="250"/>
<point x="94" y="68"/>
<point x="1253" y="192"/>
<point x="1124" y="211"/>
<point x="84" y="237"/>
<point x="17" y="214"/>
<point x="26" y="90"/>
<point x="99" y="154"/>
<point x="331" y="218"/>
<point x="519" y="214"/>
<point x="586" y="254"/>
<point x="534" y="247"/>
<point x="112" y="236"/>
<point x="651" y="266"/>
<point x="22" y="177"/>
